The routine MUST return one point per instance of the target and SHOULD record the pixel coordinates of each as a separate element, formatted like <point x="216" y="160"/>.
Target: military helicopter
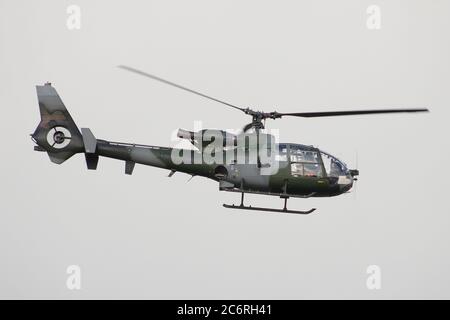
<point x="238" y="165"/>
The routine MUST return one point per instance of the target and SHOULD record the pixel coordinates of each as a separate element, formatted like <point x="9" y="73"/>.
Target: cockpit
<point x="309" y="161"/>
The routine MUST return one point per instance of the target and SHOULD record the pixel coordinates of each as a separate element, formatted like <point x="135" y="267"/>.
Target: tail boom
<point x="58" y="135"/>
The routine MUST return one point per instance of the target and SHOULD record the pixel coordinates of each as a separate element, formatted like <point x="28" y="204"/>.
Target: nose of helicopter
<point x="345" y="187"/>
<point x="350" y="180"/>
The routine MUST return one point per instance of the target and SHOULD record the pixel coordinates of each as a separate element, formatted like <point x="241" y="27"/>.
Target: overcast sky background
<point x="149" y="236"/>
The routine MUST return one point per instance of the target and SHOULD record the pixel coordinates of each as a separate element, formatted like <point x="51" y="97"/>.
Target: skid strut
<point x="284" y="210"/>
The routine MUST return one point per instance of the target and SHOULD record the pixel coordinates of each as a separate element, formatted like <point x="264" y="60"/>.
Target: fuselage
<point x="295" y="171"/>
<point x="249" y="162"/>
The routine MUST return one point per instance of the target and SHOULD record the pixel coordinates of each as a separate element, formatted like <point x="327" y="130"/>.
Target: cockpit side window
<point x="304" y="162"/>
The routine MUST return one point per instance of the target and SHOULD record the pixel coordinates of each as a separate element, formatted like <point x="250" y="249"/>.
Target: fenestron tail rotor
<point x="259" y="117"/>
<point x="58" y="137"/>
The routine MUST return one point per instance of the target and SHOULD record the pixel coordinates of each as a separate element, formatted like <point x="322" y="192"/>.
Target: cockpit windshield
<point x="333" y="166"/>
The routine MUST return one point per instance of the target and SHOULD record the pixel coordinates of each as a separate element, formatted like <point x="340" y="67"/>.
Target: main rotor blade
<point x="347" y="113"/>
<point x="145" y="74"/>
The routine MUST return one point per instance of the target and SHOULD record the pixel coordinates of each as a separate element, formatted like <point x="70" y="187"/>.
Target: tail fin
<point x="57" y="133"/>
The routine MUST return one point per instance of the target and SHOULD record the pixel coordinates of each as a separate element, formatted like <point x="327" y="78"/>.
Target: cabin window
<point x="304" y="162"/>
<point x="297" y="169"/>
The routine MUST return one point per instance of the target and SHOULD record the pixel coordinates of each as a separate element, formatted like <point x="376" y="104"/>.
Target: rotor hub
<point x="59" y="137"/>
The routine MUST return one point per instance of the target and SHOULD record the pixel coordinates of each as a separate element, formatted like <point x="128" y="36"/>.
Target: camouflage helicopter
<point x="291" y="170"/>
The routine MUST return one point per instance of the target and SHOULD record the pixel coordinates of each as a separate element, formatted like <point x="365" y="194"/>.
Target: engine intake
<point x="207" y="136"/>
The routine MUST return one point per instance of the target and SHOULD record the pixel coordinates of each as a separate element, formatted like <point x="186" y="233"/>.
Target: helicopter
<point x="249" y="162"/>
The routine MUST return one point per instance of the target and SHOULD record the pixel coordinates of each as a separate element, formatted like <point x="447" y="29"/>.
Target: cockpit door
<point x="305" y="162"/>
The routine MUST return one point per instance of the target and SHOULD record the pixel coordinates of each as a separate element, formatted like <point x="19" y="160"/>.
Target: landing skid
<point x="232" y="206"/>
<point x="284" y="210"/>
